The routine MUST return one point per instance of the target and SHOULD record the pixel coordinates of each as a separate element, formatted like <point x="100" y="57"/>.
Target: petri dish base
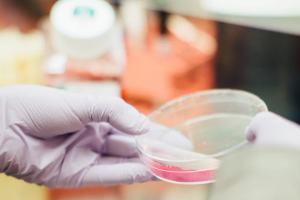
<point x="194" y="132"/>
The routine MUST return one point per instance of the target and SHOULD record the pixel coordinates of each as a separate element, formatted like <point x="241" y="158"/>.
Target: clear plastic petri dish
<point x="190" y="134"/>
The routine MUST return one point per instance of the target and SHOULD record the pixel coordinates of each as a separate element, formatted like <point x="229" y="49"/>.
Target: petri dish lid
<point x="199" y="126"/>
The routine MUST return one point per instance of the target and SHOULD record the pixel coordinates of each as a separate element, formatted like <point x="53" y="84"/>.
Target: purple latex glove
<point x="60" y="139"/>
<point x="270" y="129"/>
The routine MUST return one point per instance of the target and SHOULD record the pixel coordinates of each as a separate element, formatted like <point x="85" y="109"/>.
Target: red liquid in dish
<point x="184" y="176"/>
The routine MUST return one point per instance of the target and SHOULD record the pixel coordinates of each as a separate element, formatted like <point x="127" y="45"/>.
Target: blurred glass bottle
<point x="85" y="47"/>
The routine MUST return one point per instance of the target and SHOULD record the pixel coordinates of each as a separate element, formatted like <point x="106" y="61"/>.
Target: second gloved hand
<point x="269" y="129"/>
<point x="60" y="139"/>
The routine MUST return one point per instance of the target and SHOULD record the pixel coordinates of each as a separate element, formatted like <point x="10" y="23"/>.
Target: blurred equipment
<point x="285" y="23"/>
<point x="14" y="189"/>
<point x="164" y="191"/>
<point x="175" y="60"/>
<point x="85" y="45"/>
<point x="134" y="17"/>
<point x="189" y="33"/>
<point x="23" y="14"/>
<point x="267" y="8"/>
<point x="257" y="52"/>
<point x="20" y="57"/>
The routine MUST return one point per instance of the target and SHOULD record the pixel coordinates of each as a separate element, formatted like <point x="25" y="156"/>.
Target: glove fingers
<point x="48" y="112"/>
<point x="169" y="136"/>
<point x="114" y="171"/>
<point x="120" y="145"/>
<point x="261" y="123"/>
<point x="250" y="136"/>
<point x="117" y="113"/>
<point x="266" y="128"/>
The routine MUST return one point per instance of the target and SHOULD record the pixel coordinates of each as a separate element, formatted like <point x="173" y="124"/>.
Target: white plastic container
<point x="85" y="45"/>
<point x="82" y="28"/>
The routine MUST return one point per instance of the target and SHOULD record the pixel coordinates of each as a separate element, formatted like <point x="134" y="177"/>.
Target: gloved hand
<point x="60" y="139"/>
<point x="270" y="129"/>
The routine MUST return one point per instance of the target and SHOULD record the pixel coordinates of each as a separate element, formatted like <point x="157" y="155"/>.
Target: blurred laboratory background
<point x="149" y="52"/>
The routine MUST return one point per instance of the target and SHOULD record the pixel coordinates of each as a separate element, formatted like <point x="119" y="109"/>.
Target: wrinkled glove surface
<point x="60" y="139"/>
